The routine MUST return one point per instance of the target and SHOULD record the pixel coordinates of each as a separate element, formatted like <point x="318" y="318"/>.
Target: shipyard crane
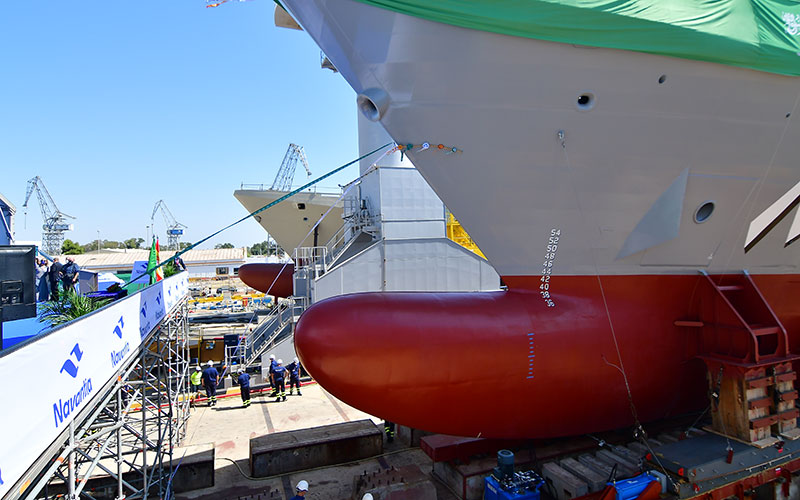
<point x="283" y="181"/>
<point x="174" y="228"/>
<point x="55" y="221"/>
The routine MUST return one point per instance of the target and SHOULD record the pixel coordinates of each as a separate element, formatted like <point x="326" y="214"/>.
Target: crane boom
<point x="54" y="220"/>
<point x="174" y="228"/>
<point x="285" y="177"/>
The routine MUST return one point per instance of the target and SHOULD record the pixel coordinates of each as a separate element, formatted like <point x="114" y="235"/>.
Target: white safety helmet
<point x="367" y="496"/>
<point x="296" y="360"/>
<point x="271" y="356"/>
<point x="198" y="368"/>
<point x="210" y="363"/>
<point x="241" y="370"/>
<point x="280" y="361"/>
<point x="302" y="485"/>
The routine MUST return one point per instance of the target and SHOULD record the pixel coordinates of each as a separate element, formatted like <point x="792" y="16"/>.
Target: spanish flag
<point x="160" y="270"/>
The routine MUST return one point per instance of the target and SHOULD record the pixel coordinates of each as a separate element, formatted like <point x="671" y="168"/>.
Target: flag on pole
<point x="160" y="270"/>
<point x="153" y="261"/>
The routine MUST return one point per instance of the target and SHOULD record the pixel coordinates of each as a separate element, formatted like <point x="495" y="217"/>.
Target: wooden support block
<point x="764" y="402"/>
<point x="595" y="480"/>
<point x="593" y="463"/>
<point x="787" y="396"/>
<point x="626" y="468"/>
<point x="627" y="454"/>
<point x="786" y="377"/>
<point x="765" y="421"/>
<point x="789" y="414"/>
<point x="565" y="485"/>
<point x="638" y="448"/>
<point x="759" y="382"/>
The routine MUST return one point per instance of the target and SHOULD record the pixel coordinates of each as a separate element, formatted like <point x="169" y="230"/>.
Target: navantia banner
<point x="49" y="381"/>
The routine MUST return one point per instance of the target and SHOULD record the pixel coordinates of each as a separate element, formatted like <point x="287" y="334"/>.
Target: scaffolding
<point x="124" y="448"/>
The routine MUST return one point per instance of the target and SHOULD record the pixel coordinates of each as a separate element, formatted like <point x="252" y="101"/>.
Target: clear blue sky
<point x="117" y="104"/>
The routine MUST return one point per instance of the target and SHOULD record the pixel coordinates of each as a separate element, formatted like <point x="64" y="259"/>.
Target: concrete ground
<point x="229" y="427"/>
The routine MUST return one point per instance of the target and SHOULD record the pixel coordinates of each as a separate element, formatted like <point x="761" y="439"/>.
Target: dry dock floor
<point x="229" y="427"/>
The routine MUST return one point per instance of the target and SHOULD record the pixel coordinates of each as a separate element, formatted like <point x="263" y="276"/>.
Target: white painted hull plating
<point x="289" y="224"/>
<point x="503" y="101"/>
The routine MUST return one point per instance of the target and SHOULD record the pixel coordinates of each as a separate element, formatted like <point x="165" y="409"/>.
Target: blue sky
<point x="117" y="104"/>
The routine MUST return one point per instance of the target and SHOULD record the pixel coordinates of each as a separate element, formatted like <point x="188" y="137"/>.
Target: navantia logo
<point x="70" y="367"/>
<point x="1" y="477"/>
<point x="119" y="327"/>
<point x="118" y="356"/>
<point x="143" y="311"/>
<point x="66" y="406"/>
<point x="158" y="298"/>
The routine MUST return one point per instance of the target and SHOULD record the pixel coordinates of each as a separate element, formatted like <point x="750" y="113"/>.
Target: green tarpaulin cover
<point x="759" y="34"/>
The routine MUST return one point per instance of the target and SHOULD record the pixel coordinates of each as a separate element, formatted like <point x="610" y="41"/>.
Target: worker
<point x="279" y="374"/>
<point x="69" y="274"/>
<point x="54" y="276"/>
<point x="388" y="428"/>
<point x="210" y="381"/>
<point x="271" y="379"/>
<point x="244" y="386"/>
<point x="294" y="376"/>
<point x="196" y="378"/>
<point x="302" y="489"/>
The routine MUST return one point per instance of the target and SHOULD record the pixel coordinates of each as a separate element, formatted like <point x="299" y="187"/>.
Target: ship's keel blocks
<point x="409" y="436"/>
<point x="564" y="484"/>
<point x="402" y="483"/>
<point x="195" y="467"/>
<point x="303" y="449"/>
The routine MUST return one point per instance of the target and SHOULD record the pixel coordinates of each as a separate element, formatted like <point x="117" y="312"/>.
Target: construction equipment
<point x="55" y="221"/>
<point x="174" y="228"/>
<point x="283" y="181"/>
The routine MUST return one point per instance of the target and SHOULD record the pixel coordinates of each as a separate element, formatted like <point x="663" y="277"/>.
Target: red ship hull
<point x="272" y="279"/>
<point x="505" y="365"/>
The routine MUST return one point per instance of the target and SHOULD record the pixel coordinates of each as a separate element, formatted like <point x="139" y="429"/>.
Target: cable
<point x="251" y="214"/>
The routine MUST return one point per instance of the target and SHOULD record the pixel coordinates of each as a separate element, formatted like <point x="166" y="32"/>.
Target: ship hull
<point x="615" y="176"/>
<point x="272" y="278"/>
<point x="531" y="159"/>
<point x="291" y="223"/>
<point x="504" y="365"/>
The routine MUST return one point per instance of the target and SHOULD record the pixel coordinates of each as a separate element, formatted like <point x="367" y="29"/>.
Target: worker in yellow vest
<point x="196" y="378"/>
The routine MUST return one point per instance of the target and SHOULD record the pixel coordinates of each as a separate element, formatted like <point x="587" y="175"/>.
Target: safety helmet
<point x="210" y="363"/>
<point x="302" y="485"/>
<point x="271" y="356"/>
<point x="198" y="368"/>
<point x="296" y="360"/>
<point x="367" y="496"/>
<point x="280" y="361"/>
<point x="241" y="370"/>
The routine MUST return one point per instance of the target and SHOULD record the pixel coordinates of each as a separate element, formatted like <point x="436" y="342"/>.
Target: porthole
<point x="703" y="212"/>
<point x="662" y="79"/>
<point x="585" y="101"/>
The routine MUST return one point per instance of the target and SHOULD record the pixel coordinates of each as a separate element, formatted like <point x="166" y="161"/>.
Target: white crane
<point x="283" y="181"/>
<point x="55" y="221"/>
<point x="174" y="228"/>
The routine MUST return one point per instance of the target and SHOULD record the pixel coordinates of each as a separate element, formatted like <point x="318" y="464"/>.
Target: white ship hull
<point x="504" y="100"/>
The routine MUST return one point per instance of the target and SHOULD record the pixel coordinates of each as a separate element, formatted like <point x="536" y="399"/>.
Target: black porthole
<point x="585" y="101"/>
<point x="703" y="212"/>
<point x="301" y="206"/>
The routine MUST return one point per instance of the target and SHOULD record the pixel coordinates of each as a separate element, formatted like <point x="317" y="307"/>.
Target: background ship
<point x="604" y="185"/>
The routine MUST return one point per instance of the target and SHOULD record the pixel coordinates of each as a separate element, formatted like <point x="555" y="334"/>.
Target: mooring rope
<point x="251" y="214"/>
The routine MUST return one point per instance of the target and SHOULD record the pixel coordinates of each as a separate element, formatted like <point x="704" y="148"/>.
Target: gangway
<point x="109" y="406"/>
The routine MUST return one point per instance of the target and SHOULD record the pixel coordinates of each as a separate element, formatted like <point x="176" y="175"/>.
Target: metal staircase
<point x="740" y="326"/>
<point x="746" y="351"/>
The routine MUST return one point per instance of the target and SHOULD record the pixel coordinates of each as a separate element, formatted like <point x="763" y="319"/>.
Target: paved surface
<point x="230" y="427"/>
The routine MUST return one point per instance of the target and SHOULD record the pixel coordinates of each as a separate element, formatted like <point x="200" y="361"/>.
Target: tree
<point x="183" y="245"/>
<point x="264" y="248"/>
<point x="223" y="245"/>
<point x="71" y="248"/>
<point x="134" y="242"/>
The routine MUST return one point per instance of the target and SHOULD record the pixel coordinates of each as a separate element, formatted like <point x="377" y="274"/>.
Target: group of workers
<point x="209" y="377"/>
<point x="50" y="276"/>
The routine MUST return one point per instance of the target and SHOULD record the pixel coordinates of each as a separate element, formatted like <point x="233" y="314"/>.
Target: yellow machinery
<point x="457" y="233"/>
